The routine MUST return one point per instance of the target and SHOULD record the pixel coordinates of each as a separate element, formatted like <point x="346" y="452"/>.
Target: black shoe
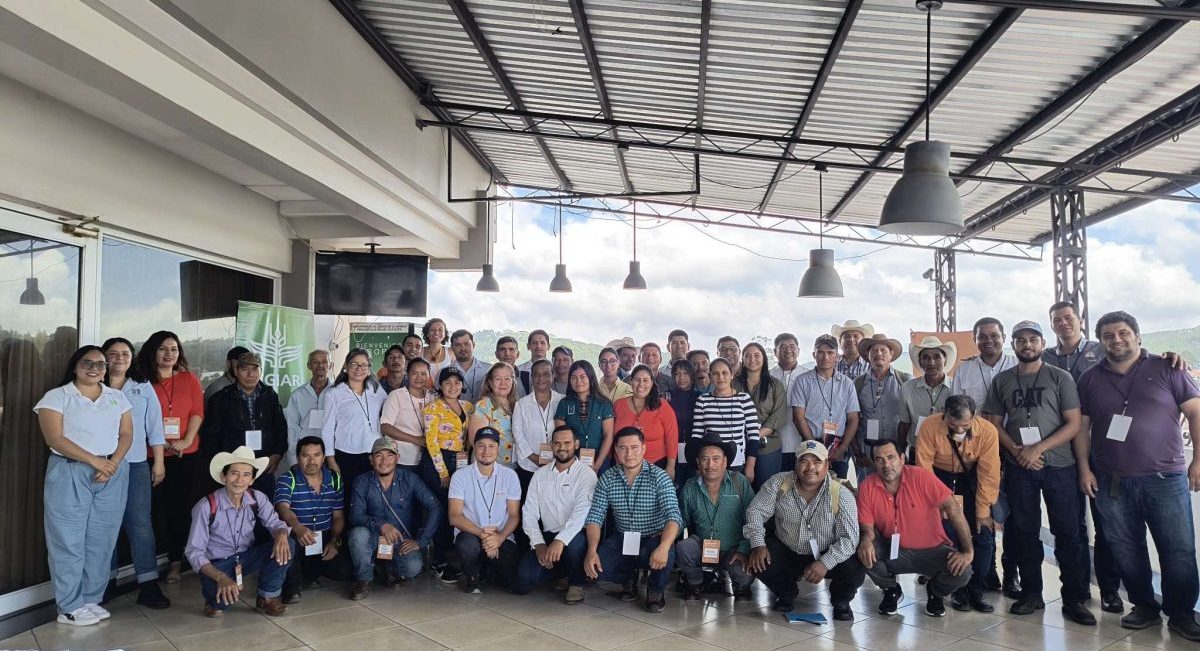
<point x="311" y="585"/>
<point x="395" y="582"/>
<point x="935" y="606"/>
<point x="446" y="573"/>
<point x="1026" y="606"/>
<point x="693" y="593"/>
<point x="842" y="613"/>
<point x="470" y="585"/>
<point x="629" y="591"/>
<point x="1185" y="626"/>
<point x="151" y="596"/>
<point x="290" y="597"/>
<point x="1012" y="586"/>
<point x="960" y="601"/>
<point x="992" y="582"/>
<point x="744" y="592"/>
<point x="981" y="605"/>
<point x="1110" y="602"/>
<point x="890" y="601"/>
<point x="655" y="601"/>
<point x="1078" y="613"/>
<point x="1140" y="617"/>
<point x="782" y="605"/>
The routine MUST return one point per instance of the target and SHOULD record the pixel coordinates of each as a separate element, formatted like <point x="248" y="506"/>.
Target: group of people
<point x="719" y="467"/>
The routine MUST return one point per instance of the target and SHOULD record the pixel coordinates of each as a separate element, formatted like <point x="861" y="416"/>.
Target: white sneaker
<point x="100" y="613"/>
<point x="81" y="616"/>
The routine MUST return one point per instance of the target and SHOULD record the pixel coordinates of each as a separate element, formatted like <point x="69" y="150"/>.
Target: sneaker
<point x="693" y="593"/>
<point x="935" y="606"/>
<point x="1141" y="617"/>
<point x="446" y="573"/>
<point x="890" y="601"/>
<point x="1185" y="626"/>
<point x="100" y="613"/>
<point x="981" y="605"/>
<point x="81" y="616"/>
<point x="574" y="595"/>
<point x="655" y="601"/>
<point x="470" y="585"/>
<point x="151" y="596"/>
<point x="960" y="600"/>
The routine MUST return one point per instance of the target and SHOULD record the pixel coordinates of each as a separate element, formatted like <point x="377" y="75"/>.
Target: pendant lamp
<point x="635" y="280"/>
<point x="487" y="282"/>
<point x="32" y="295"/>
<point x="821" y="280"/>
<point x="560" y="283"/>
<point x="924" y="201"/>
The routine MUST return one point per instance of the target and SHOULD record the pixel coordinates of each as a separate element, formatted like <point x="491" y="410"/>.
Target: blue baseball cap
<point x="1028" y="325"/>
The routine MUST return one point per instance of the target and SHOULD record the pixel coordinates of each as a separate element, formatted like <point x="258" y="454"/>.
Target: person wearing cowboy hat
<point x="221" y="544"/>
<point x="924" y="395"/>
<point x="852" y="364"/>
<point x="815" y="534"/>
<point x="627" y="353"/>
<point x="878" y="395"/>
<point x="713" y="507"/>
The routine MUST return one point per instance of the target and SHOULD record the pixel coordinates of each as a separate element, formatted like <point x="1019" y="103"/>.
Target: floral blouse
<point x="502" y="422"/>
<point x="444" y="430"/>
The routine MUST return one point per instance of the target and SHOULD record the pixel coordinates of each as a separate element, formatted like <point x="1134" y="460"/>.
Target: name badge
<point x="384" y="550"/>
<point x="316" y="418"/>
<point x="895" y="552"/>
<point x="873" y="429"/>
<point x="681" y="456"/>
<point x="711" y="551"/>
<point x="1030" y="436"/>
<point x="829" y="431"/>
<point x="588" y="456"/>
<point x="254" y="439"/>
<point x="316" y="548"/>
<point x="171" y="429"/>
<point x="631" y="543"/>
<point x="237" y="575"/>
<point x="816" y="551"/>
<point x="545" y="453"/>
<point x="1118" y="428"/>
<point x="460" y="460"/>
<point x="917" y="429"/>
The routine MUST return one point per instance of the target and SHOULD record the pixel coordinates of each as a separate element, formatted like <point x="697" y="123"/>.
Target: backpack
<point x="835" y="490"/>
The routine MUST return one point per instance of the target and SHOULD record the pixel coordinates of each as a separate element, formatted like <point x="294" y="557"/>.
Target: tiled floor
<point x="428" y="616"/>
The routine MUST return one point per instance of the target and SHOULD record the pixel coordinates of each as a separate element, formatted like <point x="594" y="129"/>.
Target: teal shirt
<point x="588" y="430"/>
<point x="723" y="520"/>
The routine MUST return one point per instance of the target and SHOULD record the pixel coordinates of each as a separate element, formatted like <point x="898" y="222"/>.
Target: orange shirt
<point x="913" y="511"/>
<point x="981" y="450"/>
<point x="181" y="397"/>
<point x="658" y="426"/>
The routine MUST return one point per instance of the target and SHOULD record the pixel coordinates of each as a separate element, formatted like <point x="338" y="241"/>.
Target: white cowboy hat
<point x="949" y="349"/>
<point x="240" y="455"/>
<point x="866" y="329"/>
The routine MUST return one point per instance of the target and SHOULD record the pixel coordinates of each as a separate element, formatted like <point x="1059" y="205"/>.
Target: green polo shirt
<point x="722" y="520"/>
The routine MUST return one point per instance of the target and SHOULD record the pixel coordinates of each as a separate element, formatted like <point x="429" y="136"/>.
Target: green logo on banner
<point x="280" y="336"/>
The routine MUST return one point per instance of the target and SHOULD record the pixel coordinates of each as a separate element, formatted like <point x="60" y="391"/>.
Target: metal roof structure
<point x="647" y="98"/>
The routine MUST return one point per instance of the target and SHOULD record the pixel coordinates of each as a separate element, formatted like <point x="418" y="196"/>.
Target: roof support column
<point x="945" y="291"/>
<point x="1069" y="233"/>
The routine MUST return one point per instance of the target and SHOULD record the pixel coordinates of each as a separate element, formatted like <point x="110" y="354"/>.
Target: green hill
<point x="1186" y="342"/>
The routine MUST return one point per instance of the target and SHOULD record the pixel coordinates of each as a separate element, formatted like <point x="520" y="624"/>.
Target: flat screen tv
<point x="209" y="291"/>
<point x="375" y="284"/>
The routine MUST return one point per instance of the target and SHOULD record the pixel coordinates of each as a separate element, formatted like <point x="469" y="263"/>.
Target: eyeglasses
<point x="93" y="365"/>
<point x="608" y="362"/>
<point x="358" y="366"/>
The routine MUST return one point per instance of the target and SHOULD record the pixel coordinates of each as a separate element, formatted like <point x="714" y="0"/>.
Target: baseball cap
<point x="487" y="433"/>
<point x="450" y="372"/>
<point x="815" y="448"/>
<point x="249" y="359"/>
<point x="1028" y="325"/>
<point x="826" y="340"/>
<point x="384" y="443"/>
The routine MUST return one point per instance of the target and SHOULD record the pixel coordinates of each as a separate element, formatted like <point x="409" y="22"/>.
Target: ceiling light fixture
<point x="821" y="279"/>
<point x="487" y="282"/>
<point x="560" y="283"/>
<point x="635" y="280"/>
<point x="32" y="295"/>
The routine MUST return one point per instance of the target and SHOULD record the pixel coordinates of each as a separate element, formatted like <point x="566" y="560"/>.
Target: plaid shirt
<point x="852" y="371"/>
<point x="797" y="521"/>
<point x="645" y="507"/>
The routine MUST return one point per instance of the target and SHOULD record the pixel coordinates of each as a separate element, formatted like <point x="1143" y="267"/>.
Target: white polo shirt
<point x="351" y="421"/>
<point x="485" y="499"/>
<point x="974" y="378"/>
<point x="532" y="427"/>
<point x="94" y="426"/>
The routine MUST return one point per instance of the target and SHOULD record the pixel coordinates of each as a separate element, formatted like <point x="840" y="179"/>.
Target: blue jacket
<point x="368" y="509"/>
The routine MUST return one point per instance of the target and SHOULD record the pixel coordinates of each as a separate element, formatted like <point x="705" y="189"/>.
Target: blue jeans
<point x="82" y="520"/>
<point x="137" y="524"/>
<point x="530" y="572"/>
<point x="1162" y="503"/>
<point x="363" y="544"/>
<point x="766" y="466"/>
<point x="618" y="567"/>
<point x="255" y="559"/>
<point x="1064" y="506"/>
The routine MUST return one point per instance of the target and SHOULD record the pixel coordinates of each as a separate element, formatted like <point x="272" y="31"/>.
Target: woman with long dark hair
<point x="162" y="362"/>
<point x="148" y="441"/>
<point x="436" y="336"/>
<point x="587" y="413"/>
<point x="89" y="429"/>
<point x="683" y="402"/>
<point x="652" y="415"/>
<point x="729" y="414"/>
<point x="352" y="409"/>
<point x="770" y="402"/>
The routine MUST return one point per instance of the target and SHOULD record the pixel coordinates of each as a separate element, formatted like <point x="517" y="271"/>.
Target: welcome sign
<point x="282" y="337"/>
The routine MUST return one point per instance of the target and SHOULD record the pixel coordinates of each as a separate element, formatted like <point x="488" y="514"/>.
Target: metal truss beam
<point x="949" y="82"/>
<point x="475" y="33"/>
<point x="702" y="67"/>
<point x="786" y="225"/>
<point x="1154" y="128"/>
<point x="593" y="61"/>
<point x="814" y="93"/>
<point x="945" y="291"/>
<point x="1088" y="7"/>
<point x="1070" y="251"/>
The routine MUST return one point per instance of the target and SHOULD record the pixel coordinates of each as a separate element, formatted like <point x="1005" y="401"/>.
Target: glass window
<point x="39" y="330"/>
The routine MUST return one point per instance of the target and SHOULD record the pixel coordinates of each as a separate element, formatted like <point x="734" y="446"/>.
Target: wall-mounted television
<point x="208" y="291"/>
<point x="375" y="284"/>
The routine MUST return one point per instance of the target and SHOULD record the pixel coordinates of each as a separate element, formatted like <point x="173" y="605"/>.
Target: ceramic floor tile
<point x="827" y="644"/>
<point x="671" y="642"/>
<point x="1126" y="645"/>
<point x="105" y="635"/>
<point x="742" y="633"/>
<point x="954" y="623"/>
<point x="1107" y="624"/>
<point x="605" y="631"/>
<point x="154" y="645"/>
<point x="807" y="606"/>
<point x="338" y="623"/>
<point x="417" y="608"/>
<point x="319" y="601"/>
<point x="459" y="630"/>
<point x="543" y="609"/>
<point x="1020" y="635"/>
<point x="677" y="614"/>
<point x="523" y="641"/>
<point x="259" y="636"/>
<point x="873" y="631"/>
<point x="182" y="620"/>
<point x="23" y="641"/>
<point x="385" y="639"/>
<point x="976" y="645"/>
<point x="1160" y="637"/>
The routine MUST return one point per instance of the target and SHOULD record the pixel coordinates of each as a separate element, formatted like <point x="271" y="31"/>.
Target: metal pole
<point x="1067" y="218"/>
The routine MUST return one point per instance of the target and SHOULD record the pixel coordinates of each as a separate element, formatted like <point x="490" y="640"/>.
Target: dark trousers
<point x="256" y="559"/>
<point x="442" y="539"/>
<point x="172" y="502"/>
<point x="984" y="542"/>
<point x="352" y="465"/>
<point x="474" y="561"/>
<point x="303" y="569"/>
<point x="618" y="567"/>
<point x="530" y="572"/>
<point x="1064" y="506"/>
<point x="765" y="467"/>
<point x="787" y="566"/>
<point x="926" y="562"/>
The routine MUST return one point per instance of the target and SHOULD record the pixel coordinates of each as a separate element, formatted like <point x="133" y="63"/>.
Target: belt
<point x="64" y="457"/>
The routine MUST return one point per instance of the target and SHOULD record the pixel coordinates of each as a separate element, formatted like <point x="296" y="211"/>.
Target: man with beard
<point x="462" y="344"/>
<point x="485" y="511"/>
<point x="559" y="497"/>
<point x="699" y="360"/>
<point x="1139" y="476"/>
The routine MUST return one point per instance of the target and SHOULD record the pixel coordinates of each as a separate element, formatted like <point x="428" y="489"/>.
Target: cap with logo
<point x="815" y="448"/>
<point x="487" y="433"/>
<point x="1028" y="325"/>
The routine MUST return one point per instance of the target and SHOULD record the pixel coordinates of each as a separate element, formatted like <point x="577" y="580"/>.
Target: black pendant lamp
<point x="560" y="283"/>
<point x="821" y="279"/>
<point x="635" y="280"/>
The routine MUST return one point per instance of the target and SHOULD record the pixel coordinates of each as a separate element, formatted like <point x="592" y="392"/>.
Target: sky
<point x="712" y="288"/>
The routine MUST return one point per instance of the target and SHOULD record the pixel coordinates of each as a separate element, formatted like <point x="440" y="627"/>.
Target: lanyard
<point x="933" y="398"/>
<point x="483" y="498"/>
<point x="829" y="402"/>
<point x="1025" y="395"/>
<point x="545" y="414"/>
<point x="1132" y="377"/>
<point x="879" y="387"/>
<point x="812" y="511"/>
<point x="236" y="532"/>
<point x="362" y="404"/>
<point x="171" y="395"/>
<point x="712" y="513"/>
<point x="418" y="411"/>
<point x="388" y="504"/>
<point x="958" y="454"/>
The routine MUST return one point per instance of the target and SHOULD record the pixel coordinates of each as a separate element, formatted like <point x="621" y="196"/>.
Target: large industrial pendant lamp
<point x="560" y="283"/>
<point x="635" y="280"/>
<point x="924" y="201"/>
<point x="32" y="295"/>
<point x="821" y="279"/>
<point x="487" y="282"/>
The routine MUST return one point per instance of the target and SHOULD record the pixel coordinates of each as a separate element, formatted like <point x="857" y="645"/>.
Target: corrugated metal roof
<point x="762" y="60"/>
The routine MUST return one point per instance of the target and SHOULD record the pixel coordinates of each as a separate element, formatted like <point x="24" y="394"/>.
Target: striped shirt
<point x="313" y="509"/>
<point x="853" y="371"/>
<point x="644" y="507"/>
<point x="733" y="418"/>
<point x="797" y="521"/>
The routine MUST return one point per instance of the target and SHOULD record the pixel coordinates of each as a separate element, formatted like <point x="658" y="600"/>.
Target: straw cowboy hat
<point x="866" y="329"/>
<point x="949" y="349"/>
<point x="865" y="346"/>
<point x="240" y="455"/>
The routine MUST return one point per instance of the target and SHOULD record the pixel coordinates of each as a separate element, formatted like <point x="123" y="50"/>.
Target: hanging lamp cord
<point x="928" y="51"/>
